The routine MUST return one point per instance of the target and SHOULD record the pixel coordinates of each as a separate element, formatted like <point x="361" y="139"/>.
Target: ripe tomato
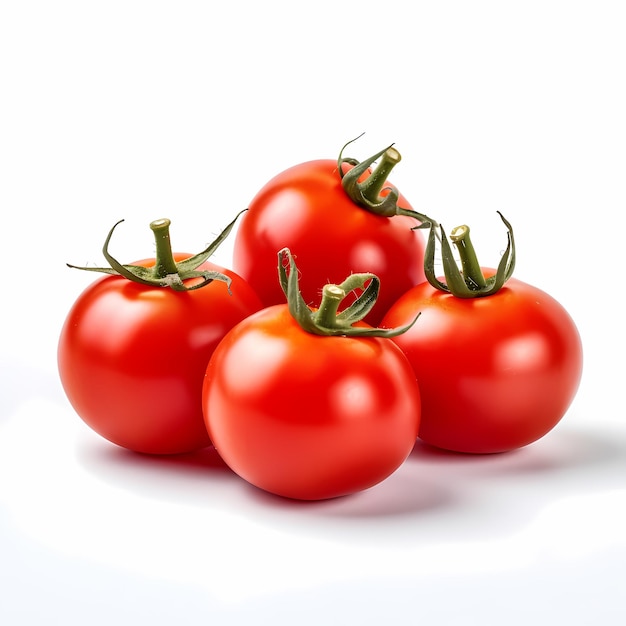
<point x="132" y="356"/>
<point x="307" y="209"/>
<point x="308" y="416"/>
<point x="496" y="372"/>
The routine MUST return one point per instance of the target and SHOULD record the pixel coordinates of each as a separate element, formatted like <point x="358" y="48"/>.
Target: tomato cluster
<point x="332" y="345"/>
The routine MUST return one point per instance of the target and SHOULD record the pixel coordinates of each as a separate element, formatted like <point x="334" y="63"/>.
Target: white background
<point x="141" y="110"/>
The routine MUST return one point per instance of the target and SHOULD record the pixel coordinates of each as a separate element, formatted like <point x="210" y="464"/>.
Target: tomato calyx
<point x="327" y="320"/>
<point x="467" y="281"/>
<point x="166" y="272"/>
<point x="367" y="193"/>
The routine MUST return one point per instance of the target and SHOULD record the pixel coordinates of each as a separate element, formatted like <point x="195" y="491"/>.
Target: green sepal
<point x="326" y="321"/>
<point x="366" y="194"/>
<point x="458" y="284"/>
<point x="166" y="272"/>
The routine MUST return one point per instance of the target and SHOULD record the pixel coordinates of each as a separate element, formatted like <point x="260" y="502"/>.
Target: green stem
<point x="468" y="281"/>
<point x="376" y="181"/>
<point x="166" y="271"/>
<point x="326" y="320"/>
<point x="474" y="277"/>
<point x="332" y="296"/>
<point x="366" y="194"/>
<point x="165" y="264"/>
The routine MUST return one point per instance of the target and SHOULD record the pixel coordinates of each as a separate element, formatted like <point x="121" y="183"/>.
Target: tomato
<point x="309" y="416"/>
<point x="132" y="356"/>
<point x="307" y="209"/>
<point x="497" y="372"/>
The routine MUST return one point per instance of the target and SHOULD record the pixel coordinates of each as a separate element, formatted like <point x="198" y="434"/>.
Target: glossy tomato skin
<point x="497" y="372"/>
<point x="132" y="358"/>
<point x="306" y="209"/>
<point x="309" y="417"/>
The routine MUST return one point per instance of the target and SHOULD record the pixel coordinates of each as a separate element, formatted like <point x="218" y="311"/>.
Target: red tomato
<point x="307" y="416"/>
<point x="306" y="209"/>
<point x="495" y="372"/>
<point x="132" y="357"/>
